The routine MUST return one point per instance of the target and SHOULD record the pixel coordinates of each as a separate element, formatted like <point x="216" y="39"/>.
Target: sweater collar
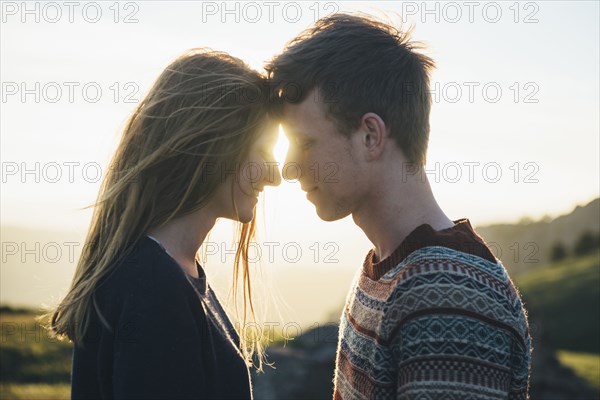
<point x="459" y="237"/>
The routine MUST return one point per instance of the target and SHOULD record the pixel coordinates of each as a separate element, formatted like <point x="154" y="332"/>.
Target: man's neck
<point x="395" y="211"/>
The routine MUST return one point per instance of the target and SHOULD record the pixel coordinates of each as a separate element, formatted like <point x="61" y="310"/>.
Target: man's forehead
<point x="293" y="119"/>
<point x="301" y="115"/>
<point x="312" y="102"/>
<point x="291" y="128"/>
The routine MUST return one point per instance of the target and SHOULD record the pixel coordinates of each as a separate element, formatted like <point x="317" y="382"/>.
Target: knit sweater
<point x="165" y="336"/>
<point x="438" y="319"/>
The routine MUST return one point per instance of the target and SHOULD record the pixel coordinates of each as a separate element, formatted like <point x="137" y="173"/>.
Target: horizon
<point x="515" y="221"/>
<point x="276" y="280"/>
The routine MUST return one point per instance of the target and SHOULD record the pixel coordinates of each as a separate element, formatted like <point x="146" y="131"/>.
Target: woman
<point x="144" y="322"/>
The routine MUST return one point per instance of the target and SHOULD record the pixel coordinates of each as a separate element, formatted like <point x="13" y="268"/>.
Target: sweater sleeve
<point x="448" y="341"/>
<point x="452" y="357"/>
<point x="156" y="352"/>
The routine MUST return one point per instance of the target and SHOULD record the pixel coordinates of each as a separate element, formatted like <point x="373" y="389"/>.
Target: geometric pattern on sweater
<point x="450" y="391"/>
<point x="442" y="324"/>
<point x="452" y="335"/>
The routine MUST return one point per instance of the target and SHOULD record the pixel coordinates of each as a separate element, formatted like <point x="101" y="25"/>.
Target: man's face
<point x="323" y="160"/>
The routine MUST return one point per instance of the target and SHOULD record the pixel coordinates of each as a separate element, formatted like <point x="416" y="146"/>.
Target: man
<point x="432" y="314"/>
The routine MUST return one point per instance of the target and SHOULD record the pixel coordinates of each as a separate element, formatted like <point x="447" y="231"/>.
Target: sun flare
<point x="281" y="148"/>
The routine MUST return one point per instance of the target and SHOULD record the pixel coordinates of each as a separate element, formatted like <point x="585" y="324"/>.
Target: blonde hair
<point x="203" y="111"/>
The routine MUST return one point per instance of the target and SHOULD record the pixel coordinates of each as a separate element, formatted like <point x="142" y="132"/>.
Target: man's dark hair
<point x="359" y="65"/>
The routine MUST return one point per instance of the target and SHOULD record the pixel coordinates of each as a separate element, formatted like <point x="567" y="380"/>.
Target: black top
<point x="165" y="340"/>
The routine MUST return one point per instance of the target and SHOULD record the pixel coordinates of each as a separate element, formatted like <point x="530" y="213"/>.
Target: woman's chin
<point x="245" y="219"/>
<point x="245" y="215"/>
<point x="244" y="212"/>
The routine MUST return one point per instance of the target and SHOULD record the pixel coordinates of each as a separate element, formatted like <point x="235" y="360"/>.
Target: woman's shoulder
<point x="146" y="273"/>
<point x="145" y="288"/>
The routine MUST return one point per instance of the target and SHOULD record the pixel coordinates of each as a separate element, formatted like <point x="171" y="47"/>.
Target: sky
<point x="514" y="123"/>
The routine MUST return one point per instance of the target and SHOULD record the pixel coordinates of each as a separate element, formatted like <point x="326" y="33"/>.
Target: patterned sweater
<point x="438" y="319"/>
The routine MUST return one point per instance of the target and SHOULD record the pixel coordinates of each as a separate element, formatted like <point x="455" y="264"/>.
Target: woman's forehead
<point x="268" y="130"/>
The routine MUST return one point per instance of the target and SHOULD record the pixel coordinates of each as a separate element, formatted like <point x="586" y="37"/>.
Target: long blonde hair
<point x="199" y="118"/>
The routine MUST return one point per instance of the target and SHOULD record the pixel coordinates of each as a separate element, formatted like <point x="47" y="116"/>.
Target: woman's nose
<point x="273" y="176"/>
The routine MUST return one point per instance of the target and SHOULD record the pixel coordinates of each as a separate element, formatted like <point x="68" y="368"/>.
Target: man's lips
<point x="311" y="193"/>
<point x="256" y="194"/>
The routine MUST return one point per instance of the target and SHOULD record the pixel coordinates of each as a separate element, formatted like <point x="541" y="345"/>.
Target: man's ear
<point x="374" y="136"/>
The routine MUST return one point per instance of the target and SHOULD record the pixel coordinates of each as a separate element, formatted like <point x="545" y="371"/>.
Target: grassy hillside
<point x="33" y="365"/>
<point x="566" y="297"/>
<point x="587" y="366"/>
<point x="563" y="300"/>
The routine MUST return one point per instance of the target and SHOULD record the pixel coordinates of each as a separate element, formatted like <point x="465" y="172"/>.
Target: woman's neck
<point x="183" y="236"/>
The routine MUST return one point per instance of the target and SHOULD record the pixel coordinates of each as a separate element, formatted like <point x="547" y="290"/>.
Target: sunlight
<point x="281" y="148"/>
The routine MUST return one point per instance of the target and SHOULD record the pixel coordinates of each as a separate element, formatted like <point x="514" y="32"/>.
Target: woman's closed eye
<point x="267" y="154"/>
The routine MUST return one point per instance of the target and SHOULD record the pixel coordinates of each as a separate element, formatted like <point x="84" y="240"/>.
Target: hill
<point x="527" y="245"/>
<point x="565" y="296"/>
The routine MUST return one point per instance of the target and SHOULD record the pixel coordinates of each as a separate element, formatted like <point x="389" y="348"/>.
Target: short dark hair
<point x="357" y="65"/>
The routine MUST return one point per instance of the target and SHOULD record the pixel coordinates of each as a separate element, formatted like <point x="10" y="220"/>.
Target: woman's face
<point x="259" y="170"/>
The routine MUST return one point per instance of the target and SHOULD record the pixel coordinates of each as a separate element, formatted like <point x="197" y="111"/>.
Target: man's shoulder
<point x="443" y="281"/>
<point x="433" y="265"/>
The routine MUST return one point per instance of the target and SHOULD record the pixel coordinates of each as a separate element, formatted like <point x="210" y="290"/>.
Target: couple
<point x="432" y="313"/>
